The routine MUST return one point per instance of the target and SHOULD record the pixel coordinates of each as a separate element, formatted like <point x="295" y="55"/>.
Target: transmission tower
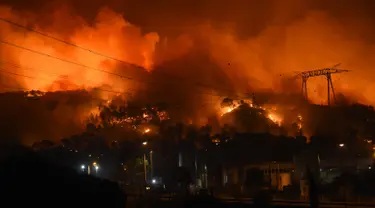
<point x="327" y="72"/>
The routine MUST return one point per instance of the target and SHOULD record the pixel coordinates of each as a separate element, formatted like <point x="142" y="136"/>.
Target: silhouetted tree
<point x="313" y="189"/>
<point x="227" y="102"/>
<point x="184" y="178"/>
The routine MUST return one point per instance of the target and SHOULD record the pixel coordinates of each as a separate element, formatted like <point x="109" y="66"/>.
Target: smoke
<point x="51" y="117"/>
<point x="173" y="49"/>
<point x="256" y="45"/>
<point x="110" y="34"/>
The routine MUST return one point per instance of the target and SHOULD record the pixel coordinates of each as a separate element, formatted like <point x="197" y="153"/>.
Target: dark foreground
<point x="208" y="201"/>
<point x="26" y="180"/>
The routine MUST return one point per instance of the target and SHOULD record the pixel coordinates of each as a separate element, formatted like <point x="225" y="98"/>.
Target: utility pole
<point x="270" y="175"/>
<point x="327" y="72"/>
<point x="144" y="167"/>
<point x="151" y="164"/>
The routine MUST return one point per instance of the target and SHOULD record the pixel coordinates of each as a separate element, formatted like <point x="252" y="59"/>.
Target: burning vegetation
<point x="125" y="115"/>
<point x="119" y="65"/>
<point x="267" y="114"/>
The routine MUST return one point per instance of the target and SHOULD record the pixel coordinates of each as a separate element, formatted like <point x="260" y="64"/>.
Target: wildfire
<point x="228" y="110"/>
<point x="147" y="130"/>
<point x="106" y="36"/>
<point x="34" y="94"/>
<point x="269" y="113"/>
<point x="299" y="122"/>
<point x="109" y="114"/>
<point x="275" y="118"/>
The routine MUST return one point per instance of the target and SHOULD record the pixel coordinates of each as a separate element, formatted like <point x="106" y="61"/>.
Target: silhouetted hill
<point x="27" y="180"/>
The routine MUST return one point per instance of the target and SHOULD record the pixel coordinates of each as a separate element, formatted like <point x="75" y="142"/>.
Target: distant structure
<point x="327" y="72"/>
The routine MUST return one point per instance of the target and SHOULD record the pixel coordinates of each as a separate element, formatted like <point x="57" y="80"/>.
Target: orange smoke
<point x="277" y="43"/>
<point x="110" y="34"/>
<point x="233" y="48"/>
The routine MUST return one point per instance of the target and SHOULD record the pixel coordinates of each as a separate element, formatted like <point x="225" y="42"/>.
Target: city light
<point x="82" y="167"/>
<point x="153" y="181"/>
<point x="144" y="143"/>
<point x="96" y="168"/>
<point x="341" y="145"/>
<point x="147" y="130"/>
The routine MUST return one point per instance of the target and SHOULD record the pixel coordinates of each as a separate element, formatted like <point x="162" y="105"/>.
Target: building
<point x="276" y="174"/>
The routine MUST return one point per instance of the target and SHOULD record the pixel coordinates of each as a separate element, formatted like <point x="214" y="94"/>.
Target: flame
<point x="263" y="61"/>
<point x="275" y="118"/>
<point x="227" y="110"/>
<point x="279" y="45"/>
<point x="299" y="122"/>
<point x="147" y="130"/>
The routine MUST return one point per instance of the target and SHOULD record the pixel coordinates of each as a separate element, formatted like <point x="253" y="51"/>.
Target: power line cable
<point x="64" y="77"/>
<point x="81" y="65"/>
<point x="93" y="97"/>
<point x="129" y="92"/>
<point x="99" y="54"/>
<point x="60" y="76"/>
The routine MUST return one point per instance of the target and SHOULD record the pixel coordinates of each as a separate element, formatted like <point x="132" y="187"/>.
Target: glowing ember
<point x="34" y="94"/>
<point x="215" y="141"/>
<point x="228" y="110"/>
<point x="147" y="130"/>
<point x="274" y="118"/>
<point x="299" y="122"/>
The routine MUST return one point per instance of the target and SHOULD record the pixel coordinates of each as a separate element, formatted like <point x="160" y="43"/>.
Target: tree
<point x="227" y="102"/>
<point x="313" y="189"/>
<point x="184" y="178"/>
<point x="133" y="168"/>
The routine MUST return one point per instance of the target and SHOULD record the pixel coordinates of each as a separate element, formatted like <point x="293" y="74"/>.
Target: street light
<point x="96" y="167"/>
<point x="82" y="167"/>
<point x="342" y="145"/>
<point x="144" y="143"/>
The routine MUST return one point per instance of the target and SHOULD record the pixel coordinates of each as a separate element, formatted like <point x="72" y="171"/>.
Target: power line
<point x="95" y="98"/>
<point x="85" y="66"/>
<point x="57" y="76"/>
<point x="99" y="54"/>
<point x="65" y="42"/>
<point x="21" y="89"/>
<point x="129" y="92"/>
<point x="63" y="60"/>
<point x="30" y="77"/>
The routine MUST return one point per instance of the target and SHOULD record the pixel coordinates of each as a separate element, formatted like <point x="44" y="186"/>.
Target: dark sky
<point x="171" y="14"/>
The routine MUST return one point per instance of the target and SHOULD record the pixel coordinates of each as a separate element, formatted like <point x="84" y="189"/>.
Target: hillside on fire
<point x="33" y="116"/>
<point x="68" y="69"/>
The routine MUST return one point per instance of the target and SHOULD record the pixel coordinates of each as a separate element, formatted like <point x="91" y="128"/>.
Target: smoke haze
<point x="243" y="47"/>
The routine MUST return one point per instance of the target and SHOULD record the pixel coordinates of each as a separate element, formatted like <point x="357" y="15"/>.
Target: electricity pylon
<point x="327" y="72"/>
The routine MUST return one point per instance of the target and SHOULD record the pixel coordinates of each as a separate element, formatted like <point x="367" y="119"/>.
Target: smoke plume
<point x="175" y="50"/>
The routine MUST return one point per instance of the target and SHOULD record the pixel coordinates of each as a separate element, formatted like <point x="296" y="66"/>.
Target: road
<point x="247" y="202"/>
<point x="297" y="203"/>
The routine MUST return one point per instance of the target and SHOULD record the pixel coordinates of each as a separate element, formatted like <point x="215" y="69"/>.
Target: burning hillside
<point x="161" y="54"/>
<point x="278" y="43"/>
<point x="248" y="116"/>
